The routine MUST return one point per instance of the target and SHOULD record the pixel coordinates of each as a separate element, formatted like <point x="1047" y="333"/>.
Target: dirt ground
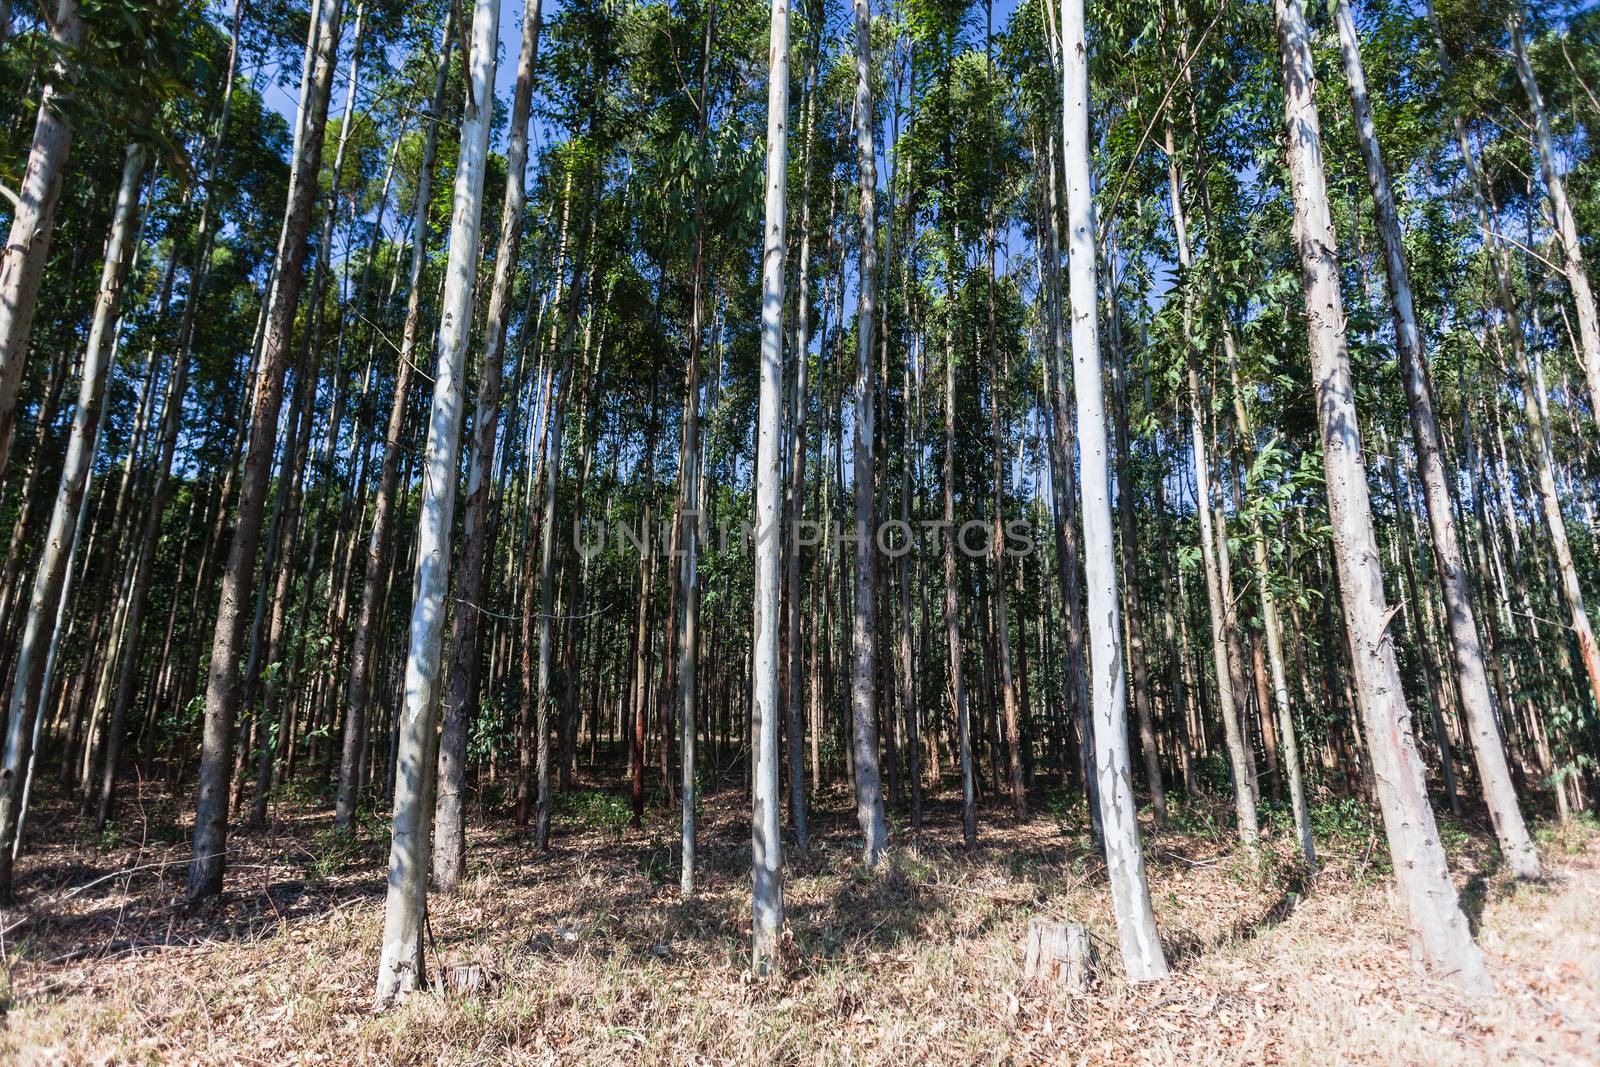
<point x="587" y="955"/>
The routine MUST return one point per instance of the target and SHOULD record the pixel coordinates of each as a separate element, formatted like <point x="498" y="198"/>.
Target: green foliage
<point x="593" y="810"/>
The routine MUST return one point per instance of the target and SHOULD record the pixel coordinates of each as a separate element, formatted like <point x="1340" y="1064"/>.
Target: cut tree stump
<point x="1058" y="954"/>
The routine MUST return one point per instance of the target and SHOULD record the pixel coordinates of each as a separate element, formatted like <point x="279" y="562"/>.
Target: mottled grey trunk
<point x="450" y="840"/>
<point x="1466" y="647"/>
<point x="765" y="838"/>
<point x="33" y="216"/>
<point x="1441" y="936"/>
<point x="864" y="636"/>
<point x="1566" y="227"/>
<point x="400" y="970"/>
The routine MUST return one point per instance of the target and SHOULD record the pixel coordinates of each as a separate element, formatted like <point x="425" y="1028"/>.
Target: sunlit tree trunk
<point x="1466" y="648"/>
<point x="363" y="650"/>
<point x="1566" y="230"/>
<point x="400" y="970"/>
<point x="1422" y="873"/>
<point x="39" y="625"/>
<point x="1142" y="957"/>
<point x="450" y="841"/>
<point x="33" y="216"/>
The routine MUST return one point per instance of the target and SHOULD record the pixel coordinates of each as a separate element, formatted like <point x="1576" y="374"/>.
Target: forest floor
<point x="587" y="955"/>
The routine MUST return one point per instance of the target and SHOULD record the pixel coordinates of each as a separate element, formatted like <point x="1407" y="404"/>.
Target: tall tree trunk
<point x="794" y="728"/>
<point x="766" y="842"/>
<point x="1566" y="231"/>
<point x="1421" y="870"/>
<point x="33" y="217"/>
<point x="952" y="612"/>
<point x="363" y="645"/>
<point x="1130" y="574"/>
<point x="400" y="970"/>
<point x="688" y="620"/>
<point x="1466" y="648"/>
<point x="450" y="841"/>
<point x="1142" y="956"/>
<point x="864" y="680"/>
<point x="222" y="684"/>
<point x="1211" y="551"/>
<point x="39" y="626"/>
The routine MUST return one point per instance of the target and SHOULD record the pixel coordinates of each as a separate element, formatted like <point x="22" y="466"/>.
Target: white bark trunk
<point x="400" y="969"/>
<point x="767" y="847"/>
<point x="1465" y="643"/>
<point x="1566" y="223"/>
<point x="39" y="627"/>
<point x="28" y="243"/>
<point x="1440" y="931"/>
<point x="1142" y="956"/>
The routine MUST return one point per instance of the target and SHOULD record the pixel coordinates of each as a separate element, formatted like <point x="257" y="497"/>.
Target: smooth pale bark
<point x="450" y="839"/>
<point x="1063" y="481"/>
<point x="864" y="635"/>
<point x="688" y="621"/>
<point x="1466" y="647"/>
<point x="1142" y="956"/>
<point x="33" y="217"/>
<point x="222" y="683"/>
<point x="1442" y="938"/>
<point x="766" y="842"/>
<point x="364" y="642"/>
<point x="400" y="970"/>
<point x="1566" y="227"/>
<point x="39" y="626"/>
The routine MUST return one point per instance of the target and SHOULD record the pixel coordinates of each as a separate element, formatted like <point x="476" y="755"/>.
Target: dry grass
<point x="591" y="958"/>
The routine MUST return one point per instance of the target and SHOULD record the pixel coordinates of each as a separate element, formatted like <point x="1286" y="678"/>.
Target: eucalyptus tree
<point x="365" y="639"/>
<point x="1422" y="871"/>
<point x="222" y="685"/>
<point x="864" y="681"/>
<point x="1512" y="337"/>
<point x="1571" y="255"/>
<point x="41" y="619"/>
<point x="28" y="241"/>
<point x="1142" y="956"/>
<point x="766" y="840"/>
<point x="1466" y="647"/>
<point x="450" y="844"/>
<point x="401" y="970"/>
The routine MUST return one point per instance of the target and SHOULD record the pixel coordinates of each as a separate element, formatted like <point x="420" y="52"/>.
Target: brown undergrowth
<point x="586" y="955"/>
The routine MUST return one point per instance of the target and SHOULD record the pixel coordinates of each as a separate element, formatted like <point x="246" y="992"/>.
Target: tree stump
<point x="470" y="980"/>
<point x="1058" y="954"/>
